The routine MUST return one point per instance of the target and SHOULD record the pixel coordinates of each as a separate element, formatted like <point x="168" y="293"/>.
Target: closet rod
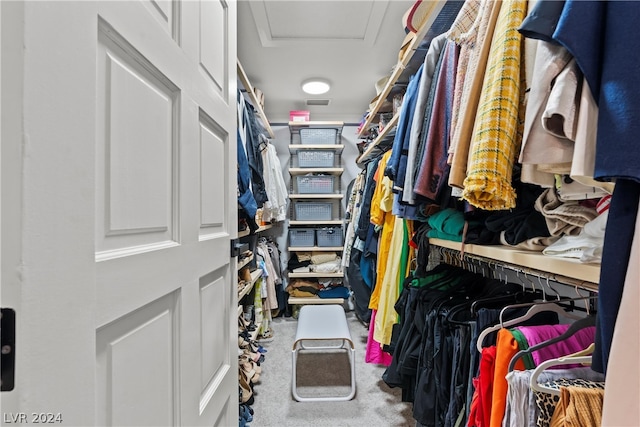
<point x="458" y="256"/>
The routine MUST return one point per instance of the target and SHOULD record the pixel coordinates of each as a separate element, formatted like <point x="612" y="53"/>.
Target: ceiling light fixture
<point x="316" y="86"/>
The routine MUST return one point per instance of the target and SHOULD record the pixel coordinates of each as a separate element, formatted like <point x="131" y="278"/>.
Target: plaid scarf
<point x="497" y="132"/>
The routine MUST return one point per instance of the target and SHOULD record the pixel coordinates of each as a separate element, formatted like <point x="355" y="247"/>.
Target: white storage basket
<point x="318" y="135"/>
<point x="315" y="184"/>
<point x="313" y="211"/>
<point x="316" y="159"/>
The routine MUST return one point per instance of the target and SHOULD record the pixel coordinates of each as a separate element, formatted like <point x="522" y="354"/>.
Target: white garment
<point x="560" y="113"/>
<point x="530" y="172"/>
<point x="270" y="276"/>
<point x="586" y="246"/>
<point x="538" y="145"/>
<point x="521" y="409"/>
<point x="326" y="267"/>
<point x="352" y="215"/>
<point x="275" y="208"/>
<point x="576" y="190"/>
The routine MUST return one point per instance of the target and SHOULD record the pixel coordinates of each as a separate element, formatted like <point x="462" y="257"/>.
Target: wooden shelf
<point x="436" y="8"/>
<point x="245" y="261"/>
<point x="317" y="196"/>
<point x="293" y="126"/>
<point x="303" y="301"/>
<point x="294" y="148"/>
<point x="584" y="275"/>
<point x="315" y="248"/>
<point x="316" y="222"/>
<point x="304" y="171"/>
<point x="246" y="84"/>
<point x="314" y="275"/>
<point x="365" y="155"/>
<point x="245" y="233"/>
<point x="255" y="275"/>
<point x="244" y="291"/>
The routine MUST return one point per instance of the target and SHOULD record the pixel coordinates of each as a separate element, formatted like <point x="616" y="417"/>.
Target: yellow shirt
<point x="386" y="316"/>
<point x="381" y="216"/>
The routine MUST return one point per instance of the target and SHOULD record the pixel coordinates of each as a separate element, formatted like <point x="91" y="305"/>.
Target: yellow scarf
<point x="497" y="138"/>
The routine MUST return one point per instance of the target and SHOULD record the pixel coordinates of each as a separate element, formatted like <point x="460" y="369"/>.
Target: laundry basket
<point x="315" y="184"/>
<point x="313" y="211"/>
<point x="329" y="236"/>
<point x="315" y="159"/>
<point x="318" y="135"/>
<point x="304" y="237"/>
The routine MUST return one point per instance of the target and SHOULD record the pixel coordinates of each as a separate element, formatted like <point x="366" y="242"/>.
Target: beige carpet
<point x="375" y="404"/>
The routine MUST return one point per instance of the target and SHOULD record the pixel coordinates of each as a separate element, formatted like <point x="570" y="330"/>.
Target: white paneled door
<point x="118" y="206"/>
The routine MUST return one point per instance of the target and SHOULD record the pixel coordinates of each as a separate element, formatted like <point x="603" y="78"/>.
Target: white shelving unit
<point x="333" y="195"/>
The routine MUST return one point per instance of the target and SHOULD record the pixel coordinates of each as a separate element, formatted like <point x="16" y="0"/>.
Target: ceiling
<point x="351" y="43"/>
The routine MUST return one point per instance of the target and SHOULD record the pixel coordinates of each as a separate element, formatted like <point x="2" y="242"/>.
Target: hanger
<point x="533" y="382"/>
<point x="586" y="352"/>
<point x="505" y="295"/>
<point x="264" y="142"/>
<point x="579" y="324"/>
<point x="549" y="286"/>
<point x="536" y="307"/>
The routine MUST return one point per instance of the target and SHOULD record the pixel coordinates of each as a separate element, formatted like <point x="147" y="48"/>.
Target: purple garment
<point x="576" y="342"/>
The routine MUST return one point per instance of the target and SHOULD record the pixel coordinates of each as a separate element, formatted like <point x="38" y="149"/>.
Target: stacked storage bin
<point x="316" y="198"/>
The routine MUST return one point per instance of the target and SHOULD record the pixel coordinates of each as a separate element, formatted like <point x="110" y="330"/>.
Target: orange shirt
<point x="506" y="348"/>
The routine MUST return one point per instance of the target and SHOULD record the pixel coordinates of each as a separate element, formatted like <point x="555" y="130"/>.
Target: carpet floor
<point x="375" y="403"/>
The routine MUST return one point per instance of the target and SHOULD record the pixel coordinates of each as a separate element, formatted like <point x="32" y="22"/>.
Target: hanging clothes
<point x="458" y="33"/>
<point x="275" y="208"/>
<point x="246" y="201"/>
<point x="429" y="66"/>
<point x="578" y="406"/>
<point x="528" y="408"/>
<point x="475" y="44"/>
<point x="496" y="135"/>
<point x="431" y="180"/>
<point x="595" y="34"/>
<point x="250" y="130"/>
<point x="381" y="205"/>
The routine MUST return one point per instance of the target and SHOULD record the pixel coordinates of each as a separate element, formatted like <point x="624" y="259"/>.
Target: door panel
<point x="214" y="364"/>
<point x="126" y="291"/>
<point x="167" y="13"/>
<point x="212" y="172"/>
<point x="136" y="167"/>
<point x="214" y="22"/>
<point x="138" y="366"/>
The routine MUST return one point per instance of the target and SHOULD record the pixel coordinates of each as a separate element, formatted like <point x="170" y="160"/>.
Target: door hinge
<point x="237" y="247"/>
<point x="7" y="348"/>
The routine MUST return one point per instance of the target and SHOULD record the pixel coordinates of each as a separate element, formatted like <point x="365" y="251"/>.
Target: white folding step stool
<point x="323" y="323"/>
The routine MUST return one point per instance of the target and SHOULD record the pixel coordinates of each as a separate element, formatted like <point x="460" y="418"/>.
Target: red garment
<point x="480" y="410"/>
<point x="473" y="406"/>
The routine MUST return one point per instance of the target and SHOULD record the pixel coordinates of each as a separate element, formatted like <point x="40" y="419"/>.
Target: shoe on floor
<point x="265" y="336"/>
